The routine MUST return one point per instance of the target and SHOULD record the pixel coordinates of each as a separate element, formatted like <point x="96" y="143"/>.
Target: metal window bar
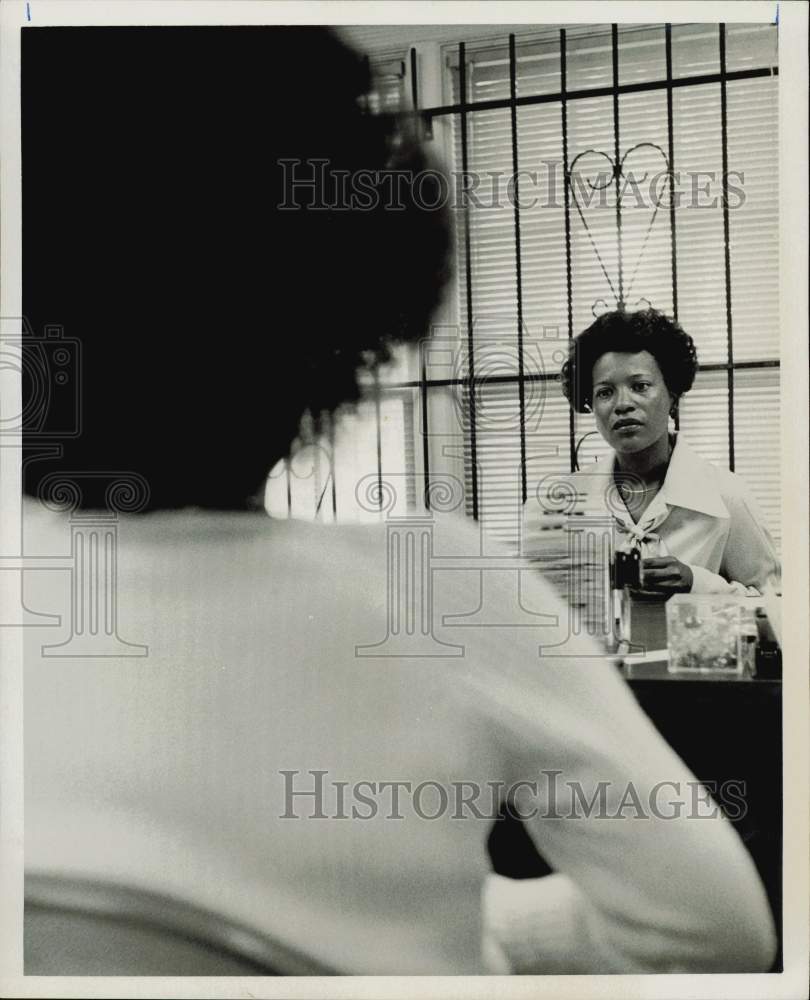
<point x="423" y="395"/>
<point x="726" y="244"/>
<point x="614" y="58"/>
<point x="671" y="157"/>
<point x="423" y="380"/>
<point x="378" y="425"/>
<point x="464" y="107"/>
<point x="529" y="377"/>
<point x="569" y="286"/>
<point x="468" y="269"/>
<point x="332" y="470"/>
<point x="518" y="273"/>
<point x="673" y="239"/>
<point x="584" y="93"/>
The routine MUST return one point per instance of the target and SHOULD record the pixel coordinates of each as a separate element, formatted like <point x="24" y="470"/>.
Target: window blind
<point x="725" y="294"/>
<point x="526" y="280"/>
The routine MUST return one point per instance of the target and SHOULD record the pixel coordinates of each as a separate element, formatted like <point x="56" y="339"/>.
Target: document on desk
<point x="575" y="557"/>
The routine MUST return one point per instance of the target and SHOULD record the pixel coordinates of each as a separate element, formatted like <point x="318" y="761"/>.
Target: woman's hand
<point x="665" y="575"/>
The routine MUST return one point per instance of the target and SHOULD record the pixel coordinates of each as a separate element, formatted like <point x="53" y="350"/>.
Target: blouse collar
<point x="690" y="482"/>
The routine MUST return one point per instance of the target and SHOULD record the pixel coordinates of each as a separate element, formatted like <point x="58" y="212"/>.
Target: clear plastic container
<point x="708" y="633"/>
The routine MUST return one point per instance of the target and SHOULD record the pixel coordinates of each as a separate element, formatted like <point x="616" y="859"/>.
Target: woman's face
<point x="631" y="401"/>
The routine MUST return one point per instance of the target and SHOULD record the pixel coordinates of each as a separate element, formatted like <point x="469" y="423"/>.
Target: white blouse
<point x="703" y="515"/>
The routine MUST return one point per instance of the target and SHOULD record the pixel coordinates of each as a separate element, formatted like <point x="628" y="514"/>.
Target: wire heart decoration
<point x="617" y="175"/>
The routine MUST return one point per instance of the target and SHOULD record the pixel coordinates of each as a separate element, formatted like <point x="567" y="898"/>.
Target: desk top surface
<point x="651" y="669"/>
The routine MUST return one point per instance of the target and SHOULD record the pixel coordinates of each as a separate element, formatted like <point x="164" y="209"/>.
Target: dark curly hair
<point x="209" y="318"/>
<point x="645" y="330"/>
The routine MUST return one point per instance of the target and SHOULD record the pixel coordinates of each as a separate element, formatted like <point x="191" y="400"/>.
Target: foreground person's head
<point x="209" y="318"/>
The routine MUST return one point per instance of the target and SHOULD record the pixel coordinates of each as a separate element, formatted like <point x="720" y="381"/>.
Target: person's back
<point x="174" y="770"/>
<point x="183" y="770"/>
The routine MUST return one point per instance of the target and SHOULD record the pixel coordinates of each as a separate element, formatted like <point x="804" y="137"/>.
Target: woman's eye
<point x="640" y="386"/>
<point x="602" y="393"/>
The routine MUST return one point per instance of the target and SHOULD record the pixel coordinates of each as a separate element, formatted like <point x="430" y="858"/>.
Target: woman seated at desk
<point x="697" y="526"/>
